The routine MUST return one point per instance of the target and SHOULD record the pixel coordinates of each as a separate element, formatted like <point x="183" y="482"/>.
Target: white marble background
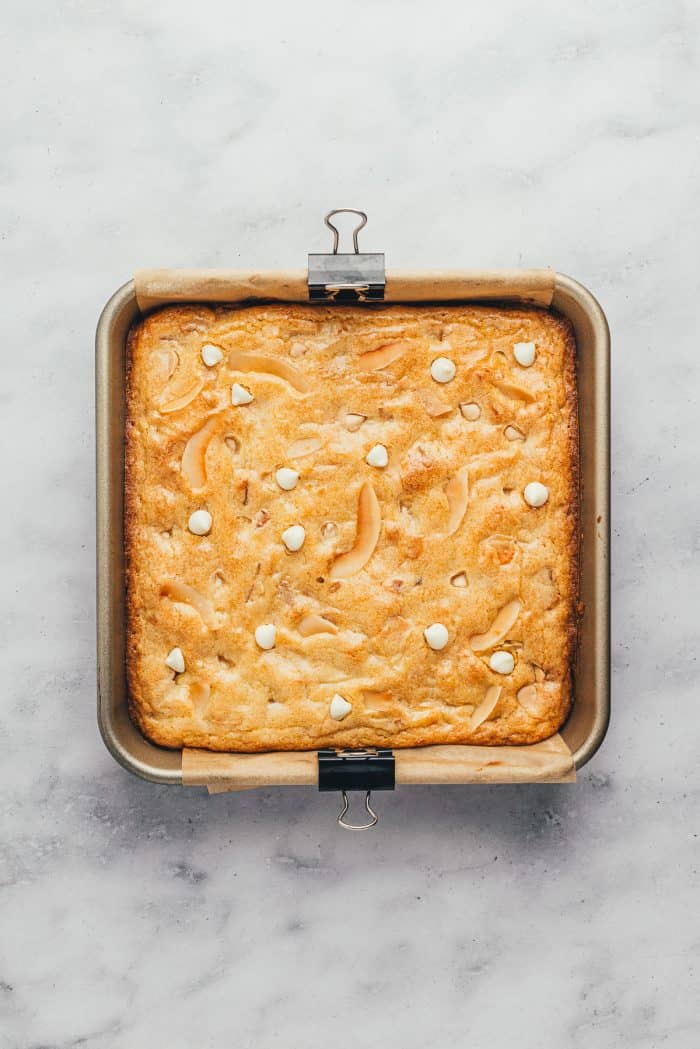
<point x="216" y="133"/>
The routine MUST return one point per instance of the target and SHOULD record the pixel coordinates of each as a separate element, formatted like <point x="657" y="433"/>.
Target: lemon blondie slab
<point x="350" y="526"/>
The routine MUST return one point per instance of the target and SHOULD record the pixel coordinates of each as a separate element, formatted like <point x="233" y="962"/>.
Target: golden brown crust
<point x="234" y="696"/>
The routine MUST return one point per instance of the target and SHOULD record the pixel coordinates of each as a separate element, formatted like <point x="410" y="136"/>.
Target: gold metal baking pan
<point x="586" y="726"/>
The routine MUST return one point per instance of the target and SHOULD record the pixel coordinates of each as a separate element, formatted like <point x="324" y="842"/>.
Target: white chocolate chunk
<point x="498" y="630"/>
<point x="457" y="492"/>
<point x="194" y="466"/>
<point x="436" y="636"/>
<point x="377" y="456"/>
<point x="443" y="369"/>
<point x="293" y="538"/>
<point x="353" y="421"/>
<point x="369" y="524"/>
<point x="304" y="446"/>
<point x="176" y="661"/>
<point x="162" y="363"/>
<point x="514" y="434"/>
<point x="340" y="708"/>
<point x="486" y="707"/>
<point x="239" y="395"/>
<point x="242" y="361"/>
<point x="286" y="478"/>
<point x="530" y="697"/>
<point x="266" y="636"/>
<point x="383" y="356"/>
<point x="211" y="355"/>
<point x="535" y="494"/>
<point x="183" y="593"/>
<point x="502" y="662"/>
<point x="524" y="353"/>
<point x="434" y="405"/>
<point x="470" y="411"/>
<point x="200" y="522"/>
<point x="518" y="393"/>
<point x="315" y="624"/>
<point x="178" y="403"/>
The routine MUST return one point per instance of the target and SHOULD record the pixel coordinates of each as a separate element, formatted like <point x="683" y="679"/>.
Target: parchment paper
<point x="547" y="762"/>
<point x="156" y="287"/>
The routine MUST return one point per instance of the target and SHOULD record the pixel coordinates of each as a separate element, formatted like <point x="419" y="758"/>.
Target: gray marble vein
<point x="216" y="133"/>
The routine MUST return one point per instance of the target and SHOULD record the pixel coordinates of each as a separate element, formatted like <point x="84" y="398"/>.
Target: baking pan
<point x="587" y="723"/>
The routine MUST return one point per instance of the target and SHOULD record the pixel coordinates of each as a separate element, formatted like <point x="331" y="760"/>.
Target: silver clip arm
<point x="336" y="233"/>
<point x="374" y="818"/>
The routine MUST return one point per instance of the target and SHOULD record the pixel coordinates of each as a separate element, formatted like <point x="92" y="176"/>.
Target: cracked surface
<point x="442" y="534"/>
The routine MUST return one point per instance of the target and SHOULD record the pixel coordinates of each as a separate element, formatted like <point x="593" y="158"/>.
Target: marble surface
<point x="214" y="133"/>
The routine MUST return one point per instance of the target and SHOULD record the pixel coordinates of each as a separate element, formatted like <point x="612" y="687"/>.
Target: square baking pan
<point x="586" y="725"/>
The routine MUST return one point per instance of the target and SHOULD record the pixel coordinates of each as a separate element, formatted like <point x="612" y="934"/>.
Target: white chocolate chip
<point x="514" y="434"/>
<point x="340" y="708"/>
<point x="524" y="353"/>
<point x="377" y="456"/>
<point x="437" y="637"/>
<point x="459" y="580"/>
<point x="176" y="661"/>
<point x="286" y="478"/>
<point x="239" y="395"/>
<point x="265" y="636"/>
<point x="211" y="355"/>
<point x="535" y="494"/>
<point x="502" y="662"/>
<point x="200" y="522"/>
<point x="470" y="411"/>
<point x="293" y="538"/>
<point x="443" y="369"/>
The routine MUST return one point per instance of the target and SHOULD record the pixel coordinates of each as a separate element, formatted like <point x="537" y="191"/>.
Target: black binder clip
<point x="344" y="276"/>
<point x="347" y="770"/>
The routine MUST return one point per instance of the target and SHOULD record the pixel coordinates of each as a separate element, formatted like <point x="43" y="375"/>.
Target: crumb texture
<point x="441" y="534"/>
